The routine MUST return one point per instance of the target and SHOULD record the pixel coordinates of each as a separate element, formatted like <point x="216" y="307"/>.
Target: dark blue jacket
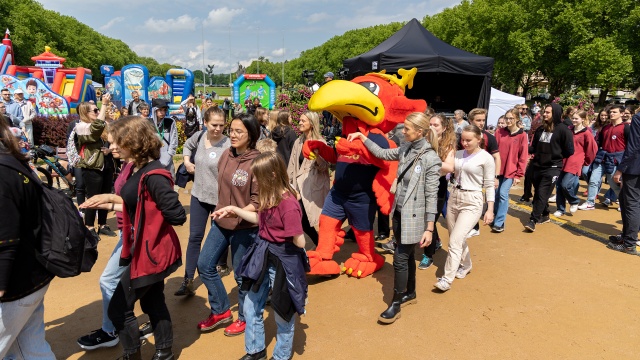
<point x="292" y="272"/>
<point x="630" y="163"/>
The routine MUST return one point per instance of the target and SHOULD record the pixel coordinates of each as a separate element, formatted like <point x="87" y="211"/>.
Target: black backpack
<point x="66" y="246"/>
<point x="191" y="123"/>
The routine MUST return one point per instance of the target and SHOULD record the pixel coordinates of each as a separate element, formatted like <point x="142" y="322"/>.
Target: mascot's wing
<point x="382" y="183"/>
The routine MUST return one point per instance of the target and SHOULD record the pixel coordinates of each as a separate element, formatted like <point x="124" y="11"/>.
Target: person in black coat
<point x="23" y="280"/>
<point x="552" y="143"/>
<point x="284" y="135"/>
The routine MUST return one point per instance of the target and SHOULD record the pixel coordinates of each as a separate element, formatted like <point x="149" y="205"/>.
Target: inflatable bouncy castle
<point x="173" y="88"/>
<point x="52" y="88"/>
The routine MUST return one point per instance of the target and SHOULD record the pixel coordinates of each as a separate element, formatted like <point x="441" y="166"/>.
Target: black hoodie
<point x="284" y="137"/>
<point x="551" y="148"/>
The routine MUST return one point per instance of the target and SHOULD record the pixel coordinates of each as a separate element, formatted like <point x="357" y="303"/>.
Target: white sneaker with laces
<point x="462" y="272"/>
<point x="442" y="285"/>
<point x="586" y="206"/>
<point x="558" y="213"/>
<point x="473" y="233"/>
<point x="573" y="208"/>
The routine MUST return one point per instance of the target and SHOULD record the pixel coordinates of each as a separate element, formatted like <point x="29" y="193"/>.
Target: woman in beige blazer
<point x="310" y="178"/>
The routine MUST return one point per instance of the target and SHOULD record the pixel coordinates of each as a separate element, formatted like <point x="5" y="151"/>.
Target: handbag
<point x="394" y="185"/>
<point x="182" y="175"/>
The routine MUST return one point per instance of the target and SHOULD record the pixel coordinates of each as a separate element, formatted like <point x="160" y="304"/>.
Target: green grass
<point x="221" y="91"/>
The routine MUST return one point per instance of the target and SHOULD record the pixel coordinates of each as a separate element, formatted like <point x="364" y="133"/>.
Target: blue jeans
<point x="566" y="190"/>
<point x="22" y="328"/>
<point x="595" y="181"/>
<point x="108" y="282"/>
<point x="214" y="246"/>
<point x="502" y="201"/>
<point x="199" y="212"/>
<point x="254" y="333"/>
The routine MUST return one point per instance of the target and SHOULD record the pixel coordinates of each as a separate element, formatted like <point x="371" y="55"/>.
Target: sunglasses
<point x="525" y="109"/>
<point x="96" y="110"/>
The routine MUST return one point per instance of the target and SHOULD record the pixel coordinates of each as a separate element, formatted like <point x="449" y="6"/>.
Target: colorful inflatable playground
<point x="52" y="88"/>
<point x="173" y="88"/>
<point x="251" y="86"/>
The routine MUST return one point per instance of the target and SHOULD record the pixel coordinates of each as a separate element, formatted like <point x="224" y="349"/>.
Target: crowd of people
<point x="261" y="196"/>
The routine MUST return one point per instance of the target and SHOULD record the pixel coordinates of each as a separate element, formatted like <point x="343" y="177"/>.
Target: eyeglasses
<point x="525" y="109"/>
<point x="96" y="110"/>
<point x="237" y="132"/>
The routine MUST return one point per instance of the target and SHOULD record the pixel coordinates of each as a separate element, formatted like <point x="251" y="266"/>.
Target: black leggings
<point x="306" y="226"/>
<point x="528" y="182"/>
<point x="544" y="180"/>
<point x="80" y="189"/>
<point x="97" y="182"/>
<point x="404" y="265"/>
<point x="151" y="302"/>
<point x="442" y="196"/>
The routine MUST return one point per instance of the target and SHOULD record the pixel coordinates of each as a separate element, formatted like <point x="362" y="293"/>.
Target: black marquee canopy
<point x="448" y="78"/>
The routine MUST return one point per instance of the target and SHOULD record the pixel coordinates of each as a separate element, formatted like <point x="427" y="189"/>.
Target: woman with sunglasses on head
<point x="415" y="203"/>
<point x="208" y="147"/>
<point x="309" y="178"/>
<point x="97" y="175"/>
<point x="524" y="117"/>
<point x="513" y="143"/>
<point x="237" y="187"/>
<point x="447" y="141"/>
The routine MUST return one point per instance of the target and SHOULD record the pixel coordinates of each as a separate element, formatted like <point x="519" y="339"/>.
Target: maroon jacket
<point x="155" y="244"/>
<point x="514" y="152"/>
<point x="584" y="152"/>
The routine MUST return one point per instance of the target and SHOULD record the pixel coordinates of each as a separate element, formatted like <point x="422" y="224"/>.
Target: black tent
<point x="448" y="78"/>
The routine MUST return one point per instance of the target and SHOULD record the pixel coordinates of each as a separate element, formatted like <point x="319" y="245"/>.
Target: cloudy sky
<point x="234" y="31"/>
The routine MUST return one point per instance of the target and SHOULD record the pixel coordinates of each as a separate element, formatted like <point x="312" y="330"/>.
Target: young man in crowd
<point x="28" y="113"/>
<point x="628" y="176"/>
<point x="134" y="105"/>
<point x="13" y="109"/>
<point x="552" y="143"/>
<point x="612" y="140"/>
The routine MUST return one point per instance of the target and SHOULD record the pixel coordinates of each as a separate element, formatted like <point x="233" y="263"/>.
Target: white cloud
<point x="317" y="17"/>
<point x="112" y="22"/>
<point x="222" y="16"/>
<point x="278" y="52"/>
<point x="181" y="23"/>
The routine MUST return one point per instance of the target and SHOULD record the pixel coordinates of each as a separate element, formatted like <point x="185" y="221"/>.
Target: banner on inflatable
<point x="46" y="102"/>
<point x="252" y="86"/>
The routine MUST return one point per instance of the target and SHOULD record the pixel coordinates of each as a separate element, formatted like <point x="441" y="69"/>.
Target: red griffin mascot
<point x="372" y="104"/>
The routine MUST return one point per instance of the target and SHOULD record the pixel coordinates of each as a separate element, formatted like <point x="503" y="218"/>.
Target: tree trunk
<point x="603" y="96"/>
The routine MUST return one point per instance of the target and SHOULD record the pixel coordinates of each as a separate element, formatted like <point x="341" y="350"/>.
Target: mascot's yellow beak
<point x="345" y="98"/>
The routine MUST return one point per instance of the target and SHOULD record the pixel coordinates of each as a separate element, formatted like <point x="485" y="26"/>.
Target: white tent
<point x="499" y="103"/>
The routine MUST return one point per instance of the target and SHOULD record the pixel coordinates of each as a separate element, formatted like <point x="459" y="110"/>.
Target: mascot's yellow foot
<point x="320" y="266"/>
<point x="360" y="266"/>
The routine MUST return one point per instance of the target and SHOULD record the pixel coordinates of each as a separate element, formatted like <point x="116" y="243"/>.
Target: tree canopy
<point x="32" y="27"/>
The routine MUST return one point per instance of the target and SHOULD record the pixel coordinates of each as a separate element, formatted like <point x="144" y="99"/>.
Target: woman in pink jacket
<point x="585" y="149"/>
<point x="513" y="144"/>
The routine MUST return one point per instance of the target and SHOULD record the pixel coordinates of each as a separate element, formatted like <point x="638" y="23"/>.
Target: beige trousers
<point x="463" y="212"/>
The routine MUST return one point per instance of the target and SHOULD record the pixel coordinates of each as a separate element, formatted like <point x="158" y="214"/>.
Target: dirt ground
<point x="553" y="294"/>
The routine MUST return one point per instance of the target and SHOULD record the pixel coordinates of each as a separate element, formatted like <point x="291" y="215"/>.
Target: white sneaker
<point x="586" y="206"/>
<point x="573" y="208"/>
<point x="558" y="213"/>
<point x="473" y="233"/>
<point x="442" y="285"/>
<point x="552" y="199"/>
<point x="462" y="272"/>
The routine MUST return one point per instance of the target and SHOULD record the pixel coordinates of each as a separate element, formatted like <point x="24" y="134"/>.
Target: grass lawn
<point x="221" y="91"/>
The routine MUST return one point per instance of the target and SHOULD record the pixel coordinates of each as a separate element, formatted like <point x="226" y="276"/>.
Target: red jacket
<point x="584" y="151"/>
<point x="155" y="244"/>
<point x="514" y="152"/>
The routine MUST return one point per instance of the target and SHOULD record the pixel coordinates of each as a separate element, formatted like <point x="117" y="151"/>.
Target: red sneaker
<point x="236" y="328"/>
<point x="214" y="320"/>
